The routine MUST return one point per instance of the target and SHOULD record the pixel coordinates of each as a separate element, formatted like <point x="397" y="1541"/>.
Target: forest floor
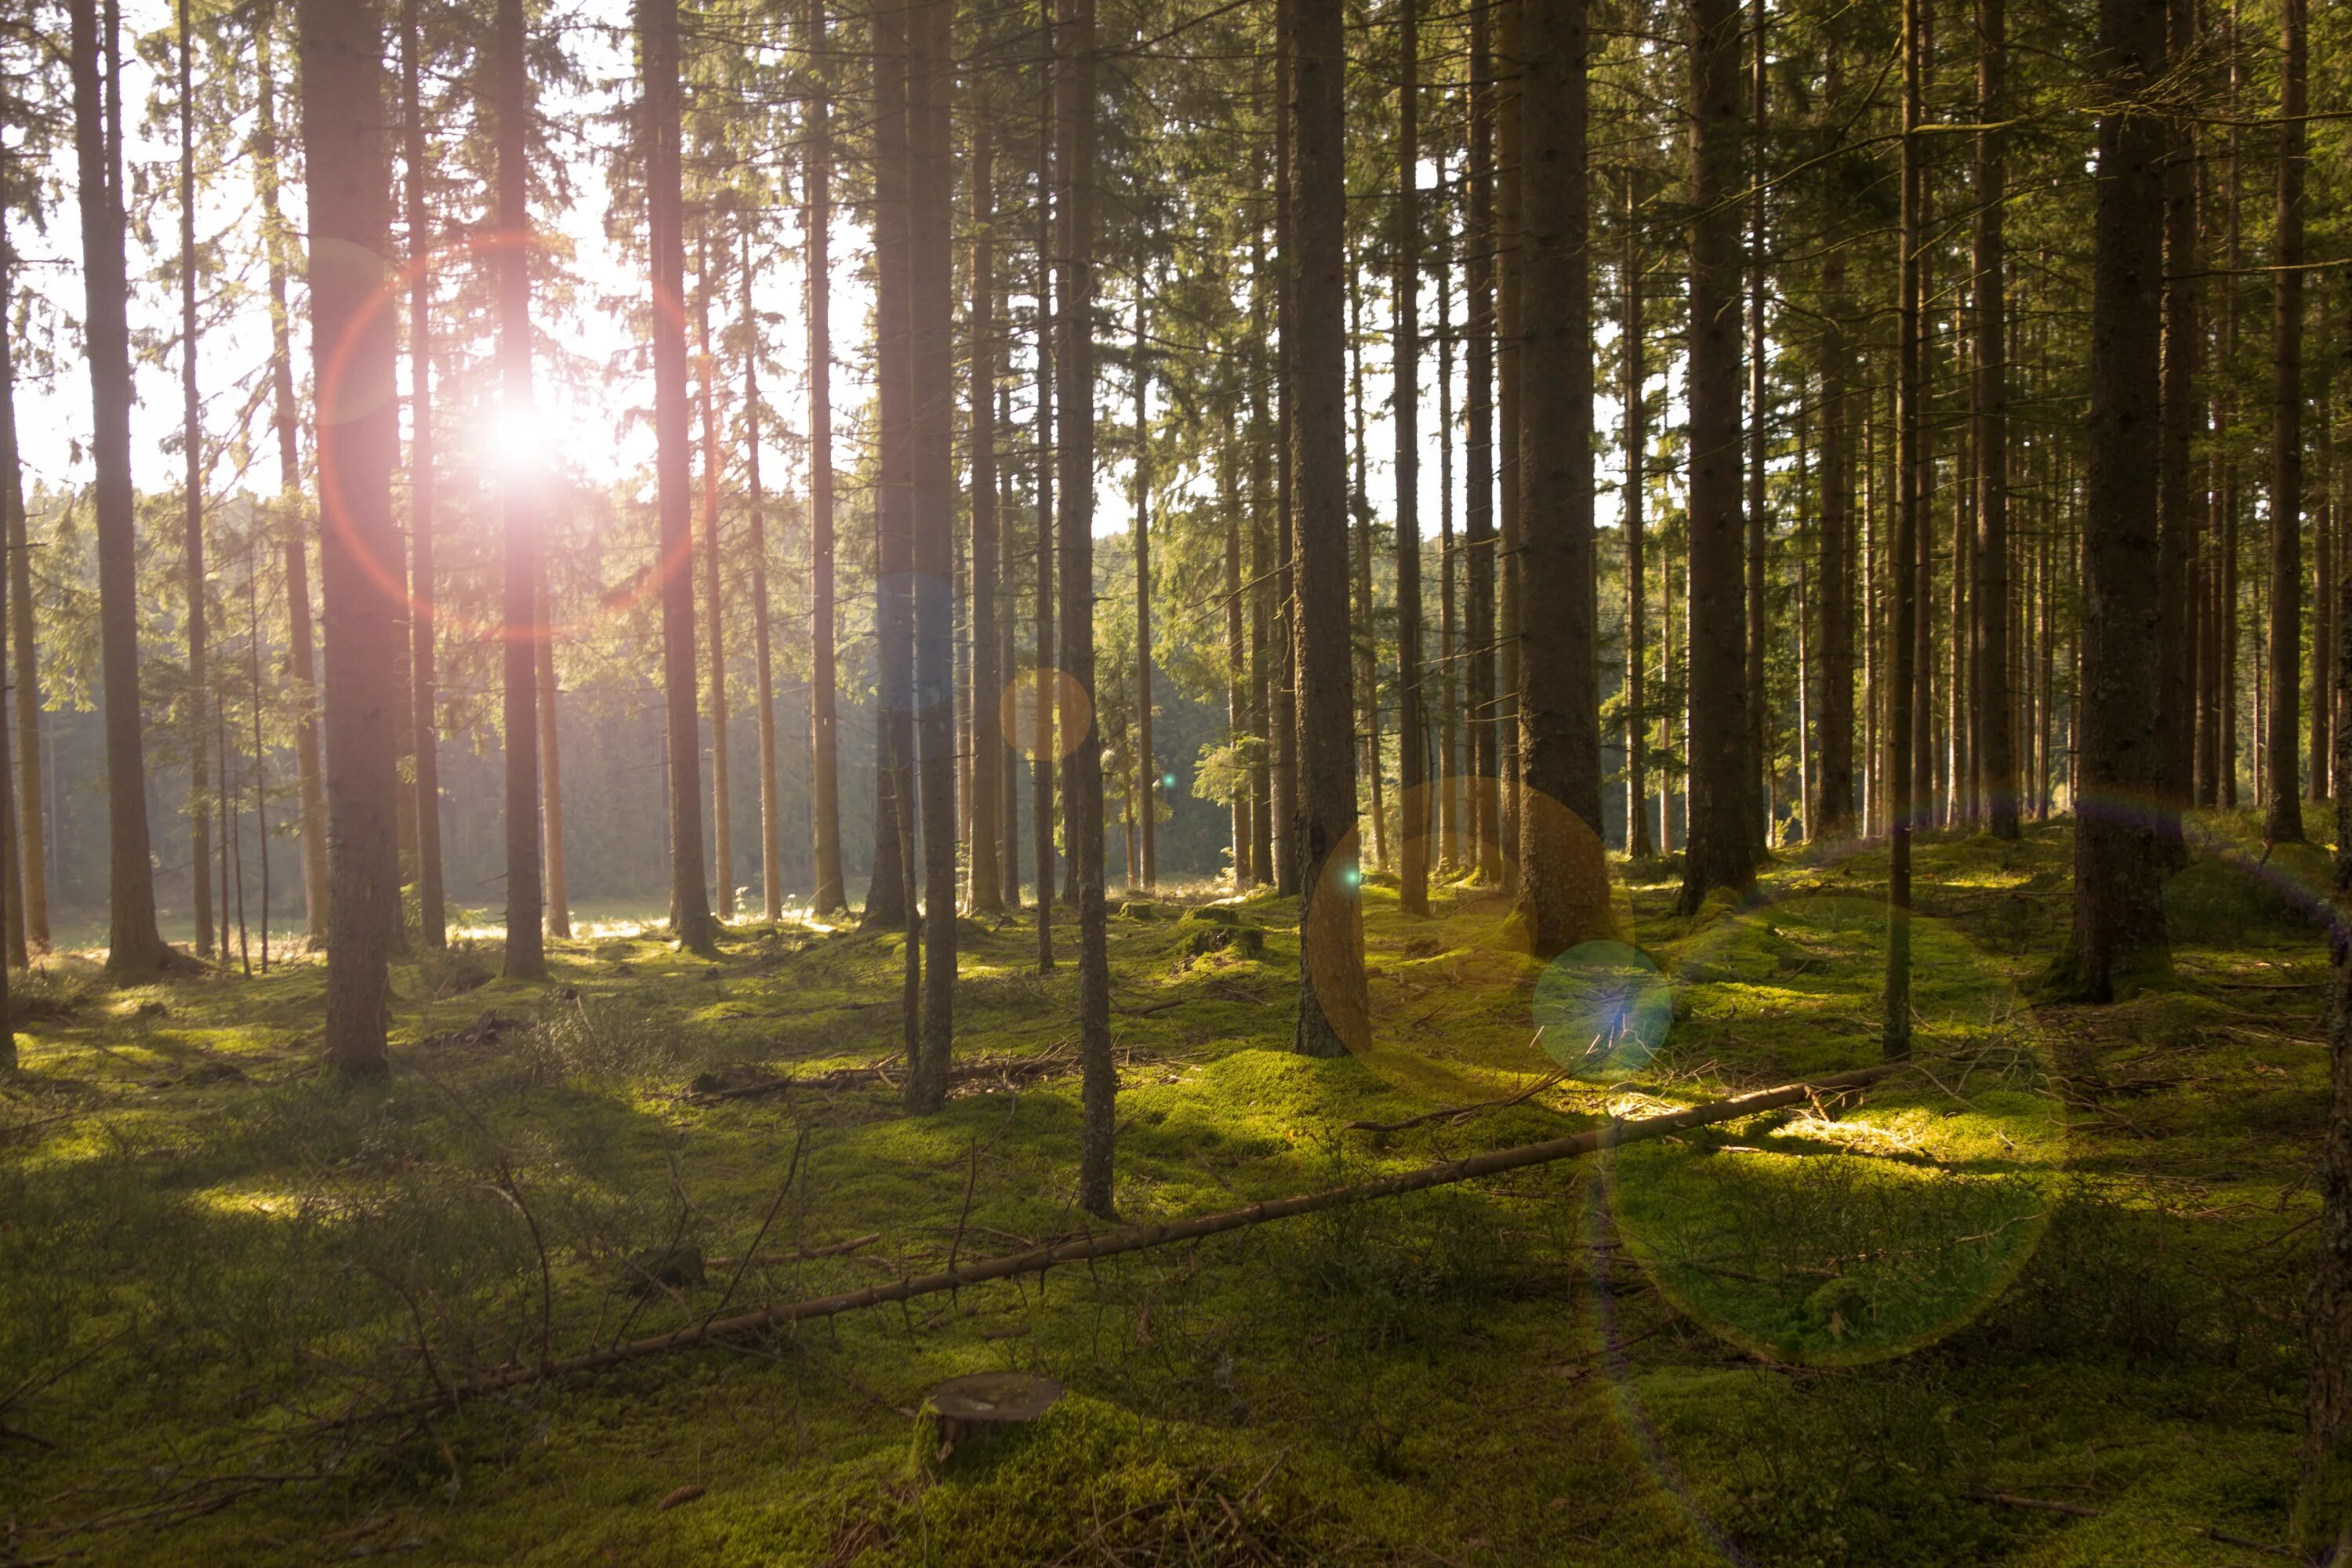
<point x="2036" y="1302"/>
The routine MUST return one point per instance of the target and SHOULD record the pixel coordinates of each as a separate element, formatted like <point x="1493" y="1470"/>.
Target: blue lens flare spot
<point x="1603" y="1008"/>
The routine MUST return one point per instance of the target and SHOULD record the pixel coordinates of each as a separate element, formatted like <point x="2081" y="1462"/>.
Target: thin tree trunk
<point x="888" y="902"/>
<point x="1362" y="629"/>
<point x="1510" y="240"/>
<point x="714" y="604"/>
<point x="31" y="861"/>
<point x="1639" y="844"/>
<point x="550" y="769"/>
<point x="2226" y="492"/>
<point x="1236" y="649"/>
<point x="1042" y="755"/>
<point x="690" y="912"/>
<point x="1722" y="847"/>
<point x="1996" y="709"/>
<point x="829" y="895"/>
<point x="1146" y="763"/>
<point x="1833" y="805"/>
<point x="1449" y="626"/>
<point x="358" y="438"/>
<point x="1008" y="572"/>
<point x="310" y="787"/>
<point x="1759" y="516"/>
<point x="771" y="805"/>
<point x="1564" y="871"/>
<point x="1478" y="509"/>
<point x="1907" y="603"/>
<point x="1261" y="579"/>
<point x="1284" y="785"/>
<point x="522" y="504"/>
<point x="1331" y="996"/>
<point x="1413" y="792"/>
<point x="2283" y="822"/>
<point x="192" y="437"/>
<point x="991" y="865"/>
<point x="135" y="948"/>
<point x="2118" y="925"/>
<point x="430" y="900"/>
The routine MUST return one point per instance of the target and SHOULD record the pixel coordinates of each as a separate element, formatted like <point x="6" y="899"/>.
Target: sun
<point x="515" y="442"/>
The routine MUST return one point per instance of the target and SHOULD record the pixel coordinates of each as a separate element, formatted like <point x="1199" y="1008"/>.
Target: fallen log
<point x="1137" y="1239"/>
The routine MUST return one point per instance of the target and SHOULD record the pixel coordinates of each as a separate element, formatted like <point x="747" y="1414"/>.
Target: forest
<point x="794" y="782"/>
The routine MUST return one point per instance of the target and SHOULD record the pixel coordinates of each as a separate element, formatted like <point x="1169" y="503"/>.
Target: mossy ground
<point x="2065" y="1264"/>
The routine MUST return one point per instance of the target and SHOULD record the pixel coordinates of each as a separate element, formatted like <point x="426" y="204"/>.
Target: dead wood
<point x="1137" y="1239"/>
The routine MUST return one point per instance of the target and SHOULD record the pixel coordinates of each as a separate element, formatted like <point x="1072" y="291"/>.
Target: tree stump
<point x="988" y="1404"/>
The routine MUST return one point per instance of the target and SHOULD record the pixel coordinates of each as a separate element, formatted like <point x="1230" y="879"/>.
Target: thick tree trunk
<point x="1478" y="507"/>
<point x="690" y="898"/>
<point x="1563" y="870"/>
<point x="2118" y="930"/>
<point x="930" y="71"/>
<point x="1404" y="414"/>
<point x="2283" y="820"/>
<point x="889" y="901"/>
<point x="521" y="500"/>
<point x="1722" y="847"/>
<point x="192" y="437"/>
<point x="431" y="900"/>
<point x="358" y="438"/>
<point x="135" y="948"/>
<point x="829" y="895"/>
<point x="1082" y="784"/>
<point x="1996" y="709"/>
<point x="989" y="866"/>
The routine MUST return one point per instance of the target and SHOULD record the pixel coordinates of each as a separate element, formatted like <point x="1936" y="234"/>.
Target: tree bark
<point x="989" y="867"/>
<point x="1906" y="601"/>
<point x="521" y="500"/>
<point x="1633" y="333"/>
<point x="358" y="438"/>
<point x="1996" y="709"/>
<point x="1834" y="813"/>
<point x="431" y="900"/>
<point x="714" y="603"/>
<point x="1722" y="847"/>
<point x="829" y="895"/>
<point x="193" y="499"/>
<point x="771" y="805"/>
<point x="1331" y="996"/>
<point x="2119" y="921"/>
<point x="931" y="312"/>
<point x="1147" y="763"/>
<point x="1759" y="516"/>
<point x="1082" y="785"/>
<point x="1478" y="507"/>
<point x="19" y="845"/>
<point x="1413" y="792"/>
<point x="1509" y="237"/>
<point x="2283" y="820"/>
<point x="550" y="767"/>
<point x="689" y="899"/>
<point x="1042" y="753"/>
<point x="135" y="948"/>
<point x="1285" y="784"/>
<point x="1563" y="870"/>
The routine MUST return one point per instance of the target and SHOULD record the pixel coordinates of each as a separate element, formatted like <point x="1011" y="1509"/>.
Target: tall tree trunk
<point x="931" y="313"/>
<point x="550" y="768"/>
<point x="889" y="904"/>
<point x="192" y="497"/>
<point x="771" y="805"/>
<point x="430" y="900"/>
<point x="1331" y="996"/>
<point x="1042" y="754"/>
<point x="1236" y="649"/>
<point x="1412" y="818"/>
<point x="310" y="788"/>
<point x="1722" y="847"/>
<point x="989" y="867"/>
<point x="1366" y="636"/>
<point x="1147" y="761"/>
<point x="19" y="870"/>
<point x="1478" y="507"/>
<point x="521" y="500"/>
<point x="1996" y="709"/>
<point x="1759" y="516"/>
<point x="1907" y="604"/>
<point x="1632" y="331"/>
<point x="714" y="604"/>
<point x="2119" y="929"/>
<point x="689" y="899"/>
<point x="829" y="895"/>
<point x="1261" y="577"/>
<point x="1449" y="623"/>
<point x="2283" y="822"/>
<point x="358" y="438"/>
<point x="1008" y="571"/>
<point x="135" y="948"/>
<point x="1834" y="814"/>
<point x="2225" y="492"/>
<point x="2178" y="508"/>
<point x="1564" y="872"/>
<point x="1284" y="786"/>
<point x="1082" y="784"/>
<point x="1509" y="237"/>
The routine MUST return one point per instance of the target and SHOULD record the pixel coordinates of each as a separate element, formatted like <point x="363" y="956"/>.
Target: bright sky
<point x="585" y="424"/>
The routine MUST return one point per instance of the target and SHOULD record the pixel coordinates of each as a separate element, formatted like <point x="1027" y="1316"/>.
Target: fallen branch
<point x="1142" y="1238"/>
<point x="1459" y="1113"/>
<point x="778" y="1259"/>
